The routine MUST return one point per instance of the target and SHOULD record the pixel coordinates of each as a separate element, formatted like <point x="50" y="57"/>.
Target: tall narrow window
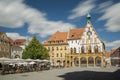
<point x="82" y="49"/>
<point x="74" y="50"/>
<point x="65" y="48"/>
<point x="71" y="50"/>
<point x="89" y="49"/>
<point x="57" y="48"/>
<point x="96" y="49"/>
<point x="61" y="54"/>
<point x="57" y="55"/>
<point x="52" y="54"/>
<point x="52" y="48"/>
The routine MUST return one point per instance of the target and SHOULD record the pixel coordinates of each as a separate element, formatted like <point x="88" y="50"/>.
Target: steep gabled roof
<point x="64" y="36"/>
<point x="20" y="41"/>
<point x="58" y="36"/>
<point x="75" y="33"/>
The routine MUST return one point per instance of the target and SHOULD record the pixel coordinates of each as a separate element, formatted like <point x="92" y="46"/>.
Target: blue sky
<point x="22" y="18"/>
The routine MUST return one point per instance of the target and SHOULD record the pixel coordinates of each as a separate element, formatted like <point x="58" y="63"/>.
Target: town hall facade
<point x="84" y="48"/>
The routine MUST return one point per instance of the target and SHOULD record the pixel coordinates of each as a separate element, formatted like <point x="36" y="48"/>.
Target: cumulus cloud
<point x="82" y="9"/>
<point x="15" y="36"/>
<point x="114" y="44"/>
<point x="111" y="14"/>
<point x="14" y="13"/>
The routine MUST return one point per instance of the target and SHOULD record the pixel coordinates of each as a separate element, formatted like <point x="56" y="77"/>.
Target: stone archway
<point x="76" y="61"/>
<point x="83" y="62"/>
<point x="90" y="61"/>
<point x="17" y="56"/>
<point x="98" y="61"/>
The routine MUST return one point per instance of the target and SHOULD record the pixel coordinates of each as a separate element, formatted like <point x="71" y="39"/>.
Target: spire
<point x="88" y="16"/>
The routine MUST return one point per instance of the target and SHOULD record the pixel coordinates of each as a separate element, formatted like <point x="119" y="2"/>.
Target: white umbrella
<point x="32" y="62"/>
<point x="45" y="60"/>
<point x="28" y="59"/>
<point x="38" y="60"/>
<point x="18" y="60"/>
<point x="3" y="59"/>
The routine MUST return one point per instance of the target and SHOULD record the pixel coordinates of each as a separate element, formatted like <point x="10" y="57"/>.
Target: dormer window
<point x="72" y="35"/>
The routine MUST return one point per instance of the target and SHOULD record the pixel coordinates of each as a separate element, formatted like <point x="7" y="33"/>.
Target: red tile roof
<point x="19" y="41"/>
<point x="58" y="36"/>
<point x="64" y="36"/>
<point x="107" y="54"/>
<point x="75" y="33"/>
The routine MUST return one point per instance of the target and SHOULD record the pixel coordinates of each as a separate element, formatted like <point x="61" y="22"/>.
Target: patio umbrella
<point x="3" y="59"/>
<point x="28" y="59"/>
<point x="38" y="60"/>
<point x="18" y="60"/>
<point x="32" y="62"/>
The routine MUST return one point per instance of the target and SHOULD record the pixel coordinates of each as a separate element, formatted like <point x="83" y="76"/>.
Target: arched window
<point x="76" y="61"/>
<point x="90" y="60"/>
<point x="17" y="56"/>
<point x="83" y="60"/>
<point x="98" y="61"/>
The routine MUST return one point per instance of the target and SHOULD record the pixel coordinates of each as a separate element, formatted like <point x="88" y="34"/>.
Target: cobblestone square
<point x="72" y="73"/>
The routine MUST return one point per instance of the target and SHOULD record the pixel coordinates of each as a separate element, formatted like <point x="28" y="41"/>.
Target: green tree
<point x="35" y="50"/>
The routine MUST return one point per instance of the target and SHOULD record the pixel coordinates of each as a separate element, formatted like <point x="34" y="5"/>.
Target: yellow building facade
<point x="58" y="48"/>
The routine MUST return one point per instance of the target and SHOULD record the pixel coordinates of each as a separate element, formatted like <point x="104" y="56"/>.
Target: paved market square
<point x="72" y="73"/>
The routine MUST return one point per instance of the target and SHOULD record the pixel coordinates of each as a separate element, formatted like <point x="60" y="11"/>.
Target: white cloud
<point x="15" y="36"/>
<point x="49" y="27"/>
<point x="111" y="14"/>
<point x="82" y="9"/>
<point x="104" y="5"/>
<point x="113" y="44"/>
<point x="14" y="13"/>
